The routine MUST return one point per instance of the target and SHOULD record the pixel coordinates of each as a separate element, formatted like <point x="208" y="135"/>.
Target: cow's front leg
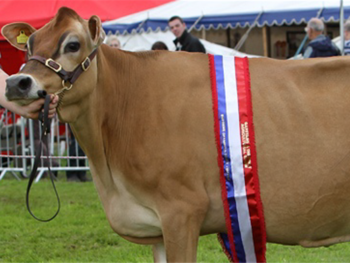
<point x="181" y="229"/>
<point x="159" y="254"/>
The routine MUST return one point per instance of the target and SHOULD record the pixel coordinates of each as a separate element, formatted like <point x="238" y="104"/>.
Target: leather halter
<point x="66" y="76"/>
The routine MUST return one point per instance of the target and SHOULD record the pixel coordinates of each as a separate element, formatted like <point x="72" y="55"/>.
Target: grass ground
<point x="81" y="232"/>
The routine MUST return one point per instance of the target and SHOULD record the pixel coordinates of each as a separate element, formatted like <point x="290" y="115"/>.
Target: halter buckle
<point x="66" y="87"/>
<point x="56" y="69"/>
<point x="88" y="61"/>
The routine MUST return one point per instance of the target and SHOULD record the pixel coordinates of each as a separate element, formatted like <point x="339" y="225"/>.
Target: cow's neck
<point x="119" y="96"/>
<point x="87" y="132"/>
<point x="107" y="127"/>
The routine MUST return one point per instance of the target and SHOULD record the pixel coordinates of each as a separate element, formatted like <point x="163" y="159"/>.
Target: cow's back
<point x="303" y="146"/>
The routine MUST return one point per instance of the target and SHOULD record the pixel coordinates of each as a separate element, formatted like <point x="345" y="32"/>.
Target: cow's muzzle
<point x="19" y="87"/>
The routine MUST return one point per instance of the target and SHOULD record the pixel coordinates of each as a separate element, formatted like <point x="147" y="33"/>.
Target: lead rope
<point x="44" y="136"/>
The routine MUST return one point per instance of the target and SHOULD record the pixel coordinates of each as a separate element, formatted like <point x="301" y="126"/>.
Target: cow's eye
<point x="72" y="47"/>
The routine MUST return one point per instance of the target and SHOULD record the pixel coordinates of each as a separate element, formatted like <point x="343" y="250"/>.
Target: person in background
<point x="347" y="38"/>
<point x="320" y="45"/>
<point x="113" y="41"/>
<point x="159" y="45"/>
<point x="75" y="151"/>
<point x="184" y="40"/>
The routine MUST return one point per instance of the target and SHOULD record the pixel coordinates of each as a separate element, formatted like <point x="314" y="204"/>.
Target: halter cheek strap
<point x="66" y="76"/>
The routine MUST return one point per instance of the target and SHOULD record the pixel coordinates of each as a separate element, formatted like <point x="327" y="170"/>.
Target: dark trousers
<point x="37" y="137"/>
<point x="75" y="150"/>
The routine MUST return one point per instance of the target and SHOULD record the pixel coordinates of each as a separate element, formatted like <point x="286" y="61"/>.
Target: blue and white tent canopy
<point x="215" y="14"/>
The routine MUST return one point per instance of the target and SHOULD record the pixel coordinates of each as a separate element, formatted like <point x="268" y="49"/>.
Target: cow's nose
<point x="19" y="82"/>
<point x="18" y="86"/>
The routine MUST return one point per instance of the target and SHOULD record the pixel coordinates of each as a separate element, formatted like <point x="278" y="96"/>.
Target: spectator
<point x="184" y="40"/>
<point x="347" y="38"/>
<point x="113" y="41"/>
<point x="320" y="45"/>
<point x="159" y="45"/>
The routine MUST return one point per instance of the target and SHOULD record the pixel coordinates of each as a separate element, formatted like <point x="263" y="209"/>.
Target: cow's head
<point x="65" y="42"/>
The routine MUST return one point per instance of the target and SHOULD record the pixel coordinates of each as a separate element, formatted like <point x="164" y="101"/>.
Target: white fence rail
<point x="19" y="140"/>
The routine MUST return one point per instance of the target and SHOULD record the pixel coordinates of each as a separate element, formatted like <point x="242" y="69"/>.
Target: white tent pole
<point x="265" y="48"/>
<point x="195" y="23"/>
<point x="245" y="36"/>
<point x="341" y="26"/>
<point x="139" y="26"/>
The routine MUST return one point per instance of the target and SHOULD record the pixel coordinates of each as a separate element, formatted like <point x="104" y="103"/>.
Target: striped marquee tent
<point x="214" y="14"/>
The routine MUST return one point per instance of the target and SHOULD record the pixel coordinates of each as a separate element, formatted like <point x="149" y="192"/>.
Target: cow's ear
<point x="17" y="34"/>
<point x="96" y="31"/>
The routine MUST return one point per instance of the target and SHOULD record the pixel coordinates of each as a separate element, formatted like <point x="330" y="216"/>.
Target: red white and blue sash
<point x="245" y="240"/>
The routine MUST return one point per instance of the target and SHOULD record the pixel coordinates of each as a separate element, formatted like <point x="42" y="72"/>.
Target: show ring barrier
<point x="19" y="137"/>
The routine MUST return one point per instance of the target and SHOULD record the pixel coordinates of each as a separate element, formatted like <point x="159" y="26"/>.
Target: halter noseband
<point x="66" y="76"/>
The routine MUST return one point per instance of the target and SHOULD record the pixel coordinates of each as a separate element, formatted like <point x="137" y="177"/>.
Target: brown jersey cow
<point x="145" y="122"/>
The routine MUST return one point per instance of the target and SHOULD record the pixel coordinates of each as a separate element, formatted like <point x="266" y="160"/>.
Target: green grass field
<point x="81" y="232"/>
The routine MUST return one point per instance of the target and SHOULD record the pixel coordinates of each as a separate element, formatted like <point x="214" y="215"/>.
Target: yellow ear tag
<point x="22" y="38"/>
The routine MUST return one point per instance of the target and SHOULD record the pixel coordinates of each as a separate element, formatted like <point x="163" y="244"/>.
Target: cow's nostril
<point x="25" y="83"/>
